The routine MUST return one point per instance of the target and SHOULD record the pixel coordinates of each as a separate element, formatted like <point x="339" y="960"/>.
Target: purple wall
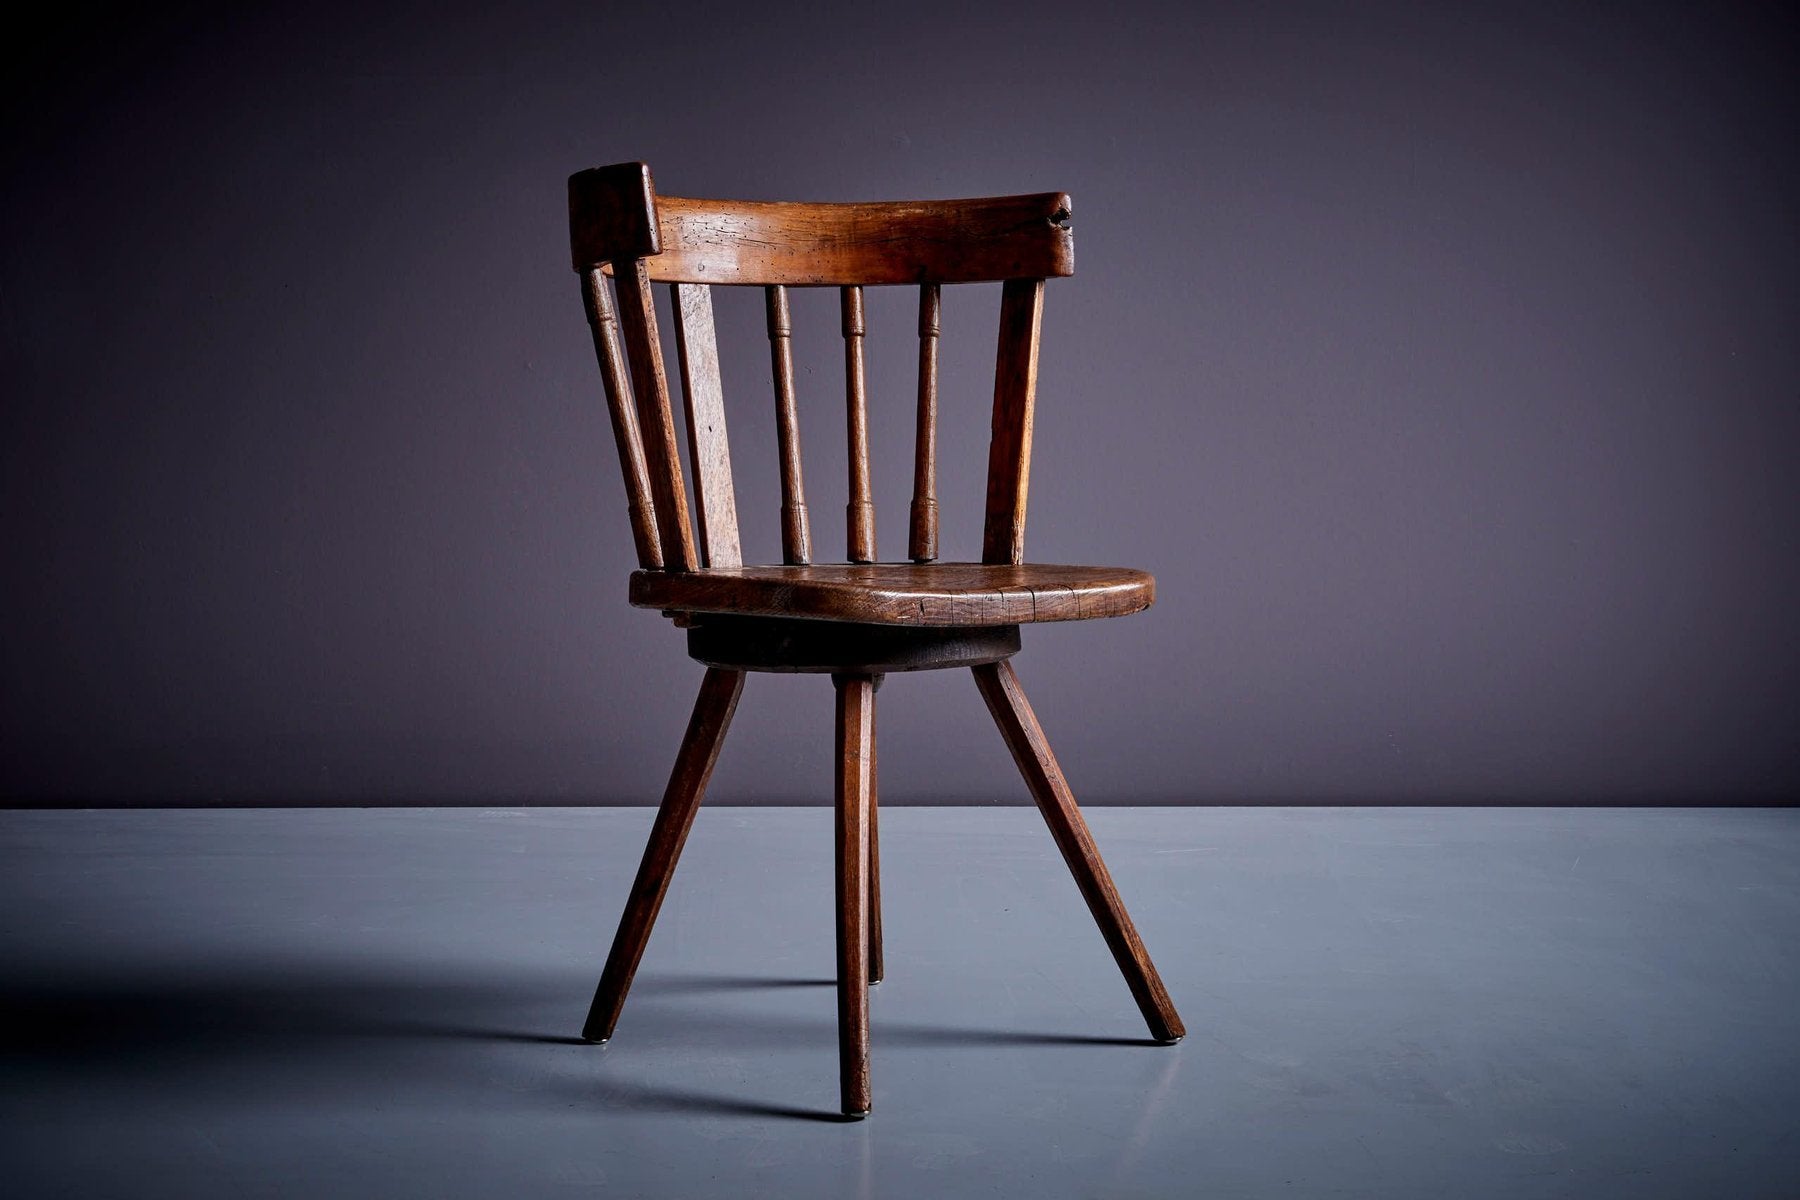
<point x="1444" y="368"/>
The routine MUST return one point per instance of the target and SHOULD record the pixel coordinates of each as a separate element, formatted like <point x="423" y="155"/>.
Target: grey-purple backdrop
<point x="1440" y="360"/>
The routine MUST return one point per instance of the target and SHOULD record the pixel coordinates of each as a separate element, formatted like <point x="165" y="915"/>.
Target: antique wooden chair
<point x="859" y="620"/>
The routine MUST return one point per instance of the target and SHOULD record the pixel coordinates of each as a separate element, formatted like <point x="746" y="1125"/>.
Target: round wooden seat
<point x="938" y="594"/>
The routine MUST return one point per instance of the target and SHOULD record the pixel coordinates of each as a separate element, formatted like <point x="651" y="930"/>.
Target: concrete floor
<point x="1380" y="1002"/>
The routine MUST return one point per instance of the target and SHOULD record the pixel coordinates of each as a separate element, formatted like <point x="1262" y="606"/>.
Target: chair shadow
<point x="913" y="1035"/>
<point x="290" y="1018"/>
<point x="890" y="1034"/>
<point x="676" y="984"/>
<point x="522" y="1039"/>
<point x="796" y="1030"/>
<point x="644" y="1097"/>
<point x="933" y="1035"/>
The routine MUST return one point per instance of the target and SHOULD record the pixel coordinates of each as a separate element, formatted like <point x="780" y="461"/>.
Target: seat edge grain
<point x="938" y="594"/>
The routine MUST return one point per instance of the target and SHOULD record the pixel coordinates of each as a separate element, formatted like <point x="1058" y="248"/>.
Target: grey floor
<point x="1381" y="1003"/>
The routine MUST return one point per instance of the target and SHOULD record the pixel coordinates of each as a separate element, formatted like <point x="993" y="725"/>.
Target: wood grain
<point x="903" y="593"/>
<point x="859" y="513"/>
<point x="1009" y="446"/>
<point x="1031" y="750"/>
<point x="922" y="532"/>
<point x="656" y="420"/>
<point x="877" y="965"/>
<point x="604" y="324"/>
<point x="615" y="214"/>
<point x="906" y="242"/>
<point x="796" y="538"/>
<point x="709" y="450"/>
<point x="860" y="620"/>
<point x="855" y="747"/>
<point x="713" y="710"/>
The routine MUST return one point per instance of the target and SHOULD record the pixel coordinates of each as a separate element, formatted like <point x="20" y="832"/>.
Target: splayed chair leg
<point x="1025" y="738"/>
<point x="681" y="800"/>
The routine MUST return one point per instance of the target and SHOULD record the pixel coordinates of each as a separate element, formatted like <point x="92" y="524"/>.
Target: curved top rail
<point x="616" y="214"/>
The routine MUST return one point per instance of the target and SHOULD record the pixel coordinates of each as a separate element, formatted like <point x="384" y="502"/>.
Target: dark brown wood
<point x="786" y="646"/>
<point x="922" y="540"/>
<point x="713" y="709"/>
<point x="612" y="215"/>
<point x="877" y="966"/>
<point x="615" y="214"/>
<point x="1009" y="448"/>
<point x="709" y="450"/>
<point x="796" y="539"/>
<point x="859" y="513"/>
<point x="904" y="593"/>
<point x="604" y="324"/>
<point x="656" y="420"/>
<point x="856" y="621"/>
<point x="905" y="242"/>
<point x="855" y="745"/>
<point x="1031" y="750"/>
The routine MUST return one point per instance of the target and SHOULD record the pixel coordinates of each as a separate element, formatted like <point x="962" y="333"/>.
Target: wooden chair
<point x="862" y="619"/>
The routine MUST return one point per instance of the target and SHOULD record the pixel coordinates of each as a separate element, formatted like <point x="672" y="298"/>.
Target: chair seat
<point x="943" y="594"/>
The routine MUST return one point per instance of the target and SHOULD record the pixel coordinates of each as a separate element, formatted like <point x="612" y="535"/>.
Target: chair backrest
<point x="620" y="227"/>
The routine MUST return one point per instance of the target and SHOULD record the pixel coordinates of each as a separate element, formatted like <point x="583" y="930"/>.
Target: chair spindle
<point x="603" y="322"/>
<point x="637" y="317"/>
<point x="709" y="451"/>
<point x="922" y="542"/>
<point x="859" y="513"/>
<point x="1009" y="448"/>
<point x="796" y="541"/>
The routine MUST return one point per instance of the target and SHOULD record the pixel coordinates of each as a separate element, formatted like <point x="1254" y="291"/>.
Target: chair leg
<point x="876" y="966"/>
<point x="681" y="800"/>
<point x="855" y="791"/>
<point x="1025" y="738"/>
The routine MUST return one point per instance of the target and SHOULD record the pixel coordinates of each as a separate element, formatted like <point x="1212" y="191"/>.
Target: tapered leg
<point x="1025" y="738"/>
<point x="876" y="968"/>
<point x="681" y="800"/>
<point x="855" y="774"/>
